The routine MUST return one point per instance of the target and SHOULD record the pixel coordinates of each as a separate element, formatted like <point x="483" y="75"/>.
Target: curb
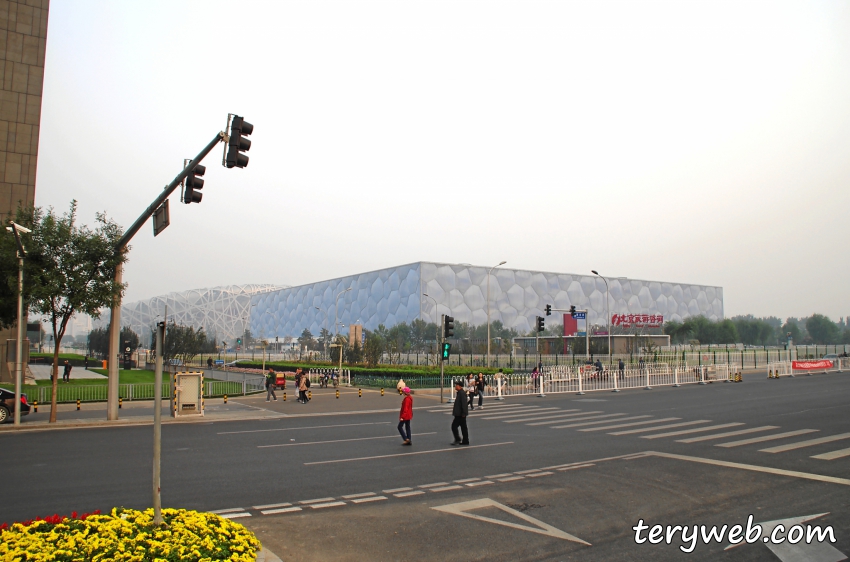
<point x="266" y="555"/>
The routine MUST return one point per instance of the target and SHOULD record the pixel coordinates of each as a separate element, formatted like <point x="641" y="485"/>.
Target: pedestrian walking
<point x="405" y="416"/>
<point x="270" y="385"/>
<point x="599" y="369"/>
<point x="460" y="410"/>
<point x="471" y="390"/>
<point x="622" y="367"/>
<point x="303" y="385"/>
<point x="209" y="362"/>
<point x="86" y="363"/>
<point x="480" y="386"/>
<point x="66" y="372"/>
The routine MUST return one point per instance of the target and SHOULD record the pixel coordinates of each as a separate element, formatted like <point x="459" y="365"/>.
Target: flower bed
<point x="127" y="535"/>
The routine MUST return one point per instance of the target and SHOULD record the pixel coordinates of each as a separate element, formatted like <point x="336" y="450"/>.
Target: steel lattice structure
<point x="223" y="311"/>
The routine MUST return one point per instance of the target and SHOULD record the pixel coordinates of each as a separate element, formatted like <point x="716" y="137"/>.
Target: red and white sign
<point x="809" y="365"/>
<point x="638" y="320"/>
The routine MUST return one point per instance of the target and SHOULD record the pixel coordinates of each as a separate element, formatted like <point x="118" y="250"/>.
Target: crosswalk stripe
<point x="570" y="417"/>
<point x="549" y="415"/>
<point x="766" y="438"/>
<point x="598" y="422"/>
<point x="594" y="417"/>
<point x="628" y="424"/>
<point x="511" y="412"/>
<point x="448" y="407"/>
<point x="490" y="416"/>
<point x="686" y="431"/>
<point x="669" y="426"/>
<point x="727" y="434"/>
<point x="809" y="443"/>
<point x="839" y="454"/>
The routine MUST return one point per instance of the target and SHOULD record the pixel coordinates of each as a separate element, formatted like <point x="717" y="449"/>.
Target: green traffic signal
<point x="447" y="347"/>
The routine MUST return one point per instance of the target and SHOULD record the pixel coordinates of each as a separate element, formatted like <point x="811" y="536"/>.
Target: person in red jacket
<point x="405" y="415"/>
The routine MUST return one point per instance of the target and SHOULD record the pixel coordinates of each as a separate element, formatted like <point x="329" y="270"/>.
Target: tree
<point x="306" y="340"/>
<point x="71" y="269"/>
<point x="98" y="340"/>
<point x="373" y="349"/>
<point x="823" y="330"/>
<point x="184" y="342"/>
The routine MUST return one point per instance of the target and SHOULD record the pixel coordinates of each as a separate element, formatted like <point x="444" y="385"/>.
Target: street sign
<point x="580" y="315"/>
<point x="582" y="334"/>
<point x="161" y="218"/>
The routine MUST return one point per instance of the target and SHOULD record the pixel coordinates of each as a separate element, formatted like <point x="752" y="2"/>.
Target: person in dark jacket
<point x="405" y="415"/>
<point x="460" y="410"/>
<point x="480" y="387"/>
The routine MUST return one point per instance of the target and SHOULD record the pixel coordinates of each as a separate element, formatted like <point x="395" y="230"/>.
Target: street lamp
<point x="324" y="341"/>
<point x="17" y="230"/>
<point x="488" y="309"/>
<point x="607" y="312"/>
<point x="336" y="310"/>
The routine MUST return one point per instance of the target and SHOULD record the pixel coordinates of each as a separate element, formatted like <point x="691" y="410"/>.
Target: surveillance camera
<point x="20" y="228"/>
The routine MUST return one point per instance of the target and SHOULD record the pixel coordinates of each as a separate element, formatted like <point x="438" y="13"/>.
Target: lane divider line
<point x="453" y="449"/>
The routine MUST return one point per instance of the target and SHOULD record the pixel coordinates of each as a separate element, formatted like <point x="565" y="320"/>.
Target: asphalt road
<point x="341" y="486"/>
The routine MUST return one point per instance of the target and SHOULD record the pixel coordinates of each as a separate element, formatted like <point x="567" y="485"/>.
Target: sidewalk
<point x="253" y="407"/>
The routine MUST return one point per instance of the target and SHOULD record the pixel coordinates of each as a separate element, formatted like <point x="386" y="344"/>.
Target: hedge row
<point x="380" y="371"/>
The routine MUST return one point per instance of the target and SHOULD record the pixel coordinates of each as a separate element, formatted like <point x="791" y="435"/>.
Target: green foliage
<point x="184" y="342"/>
<point x="98" y="341"/>
<point x="822" y="330"/>
<point x="755" y="331"/>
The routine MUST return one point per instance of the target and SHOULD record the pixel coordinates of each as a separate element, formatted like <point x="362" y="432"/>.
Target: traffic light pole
<point x="121" y="247"/>
<point x="442" y="361"/>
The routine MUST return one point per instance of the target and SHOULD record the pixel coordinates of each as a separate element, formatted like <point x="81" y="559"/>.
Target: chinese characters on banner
<point x="637" y="320"/>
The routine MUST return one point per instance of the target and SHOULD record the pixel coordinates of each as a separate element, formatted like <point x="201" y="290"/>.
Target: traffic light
<point x="238" y="143"/>
<point x="194" y="183"/>
<point x="447" y="347"/>
<point x="548" y="310"/>
<point x="449" y="327"/>
<point x="238" y="341"/>
<point x="540" y="324"/>
<point x="573" y="311"/>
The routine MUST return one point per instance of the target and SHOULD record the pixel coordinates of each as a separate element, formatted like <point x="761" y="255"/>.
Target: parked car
<point x="7" y="405"/>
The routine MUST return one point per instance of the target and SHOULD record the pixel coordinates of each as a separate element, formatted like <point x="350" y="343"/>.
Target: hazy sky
<point x="699" y="142"/>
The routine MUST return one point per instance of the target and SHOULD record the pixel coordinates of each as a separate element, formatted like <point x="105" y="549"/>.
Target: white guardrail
<point x="807" y="367"/>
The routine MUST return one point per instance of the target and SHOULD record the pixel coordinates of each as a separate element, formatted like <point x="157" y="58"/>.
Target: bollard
<point x="701" y="376"/>
<point x="359" y="393"/>
<point x="499" y="389"/>
<point x="120" y="402"/>
<point x="337" y="394"/>
<point x="382" y="392"/>
<point x="78" y="404"/>
<point x="309" y="395"/>
<point x="614" y="376"/>
<point x="35" y="407"/>
<point x="284" y="397"/>
<point x="770" y="373"/>
<point x="647" y="387"/>
<point x="579" y="383"/>
<point x="225" y="398"/>
<point x="676" y="378"/>
<point x="540" y="378"/>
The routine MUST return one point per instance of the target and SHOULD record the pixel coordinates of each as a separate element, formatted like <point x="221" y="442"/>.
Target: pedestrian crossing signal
<point x="447" y="347"/>
<point x="541" y="324"/>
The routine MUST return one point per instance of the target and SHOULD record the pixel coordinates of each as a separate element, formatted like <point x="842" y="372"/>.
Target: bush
<point x="378" y="371"/>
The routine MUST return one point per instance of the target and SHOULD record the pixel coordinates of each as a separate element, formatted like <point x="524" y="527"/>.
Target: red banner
<point x="808" y="365"/>
<point x="639" y="320"/>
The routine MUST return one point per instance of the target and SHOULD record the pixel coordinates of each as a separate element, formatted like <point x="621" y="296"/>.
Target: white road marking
<point x="465" y="480"/>
<point x="352" y="496"/>
<point x="512" y="478"/>
<point x="296" y="428"/>
<point x="809" y="443"/>
<point x="583" y="417"/>
<point x="434" y="485"/>
<point x="576" y="466"/>
<point x="337" y="441"/>
<point x="499" y="475"/>
<point x="482" y="483"/>
<point x="561" y="417"/>
<point x="410" y="454"/>
<point x="754" y="468"/>
<point x="394" y="490"/>
<point x="628" y="424"/>
<point x="668" y="426"/>
<point x="840" y="454"/>
<point x="599" y="422"/>
<point x="687" y="431"/>
<point x="766" y="438"/>
<point x="272" y="505"/>
<point x="372" y="499"/>
<point x="727" y="434"/>
<point x="515" y="413"/>
<point x="406" y="494"/>
<point x="505" y="407"/>
<point x="802" y="551"/>
<point x="527" y="471"/>
<point x="446" y="488"/>
<point x="329" y="504"/>
<point x="536" y="474"/>
<point x="220" y="511"/>
<point x="463" y="509"/>
<point x="282" y="510"/>
<point x="320" y="500"/>
<point x="234" y="515"/>
<point x="568" y="416"/>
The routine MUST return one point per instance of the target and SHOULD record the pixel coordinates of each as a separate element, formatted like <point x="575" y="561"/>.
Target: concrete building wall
<point x="23" y="40"/>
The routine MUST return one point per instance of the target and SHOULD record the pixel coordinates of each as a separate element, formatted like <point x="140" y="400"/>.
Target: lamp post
<point x="488" y="309"/>
<point x="608" y="313"/>
<point x="324" y="341"/>
<point x="17" y="230"/>
<point x="336" y="311"/>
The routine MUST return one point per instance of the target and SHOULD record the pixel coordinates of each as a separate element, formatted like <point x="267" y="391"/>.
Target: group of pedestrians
<point x="475" y="386"/>
<point x="460" y="411"/>
<point x="302" y="383"/>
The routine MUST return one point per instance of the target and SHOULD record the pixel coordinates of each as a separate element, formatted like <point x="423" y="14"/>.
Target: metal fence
<point x="806" y="367"/>
<point x="138" y="391"/>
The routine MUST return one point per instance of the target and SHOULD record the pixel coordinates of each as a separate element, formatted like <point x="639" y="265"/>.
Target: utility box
<point x="188" y="392"/>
